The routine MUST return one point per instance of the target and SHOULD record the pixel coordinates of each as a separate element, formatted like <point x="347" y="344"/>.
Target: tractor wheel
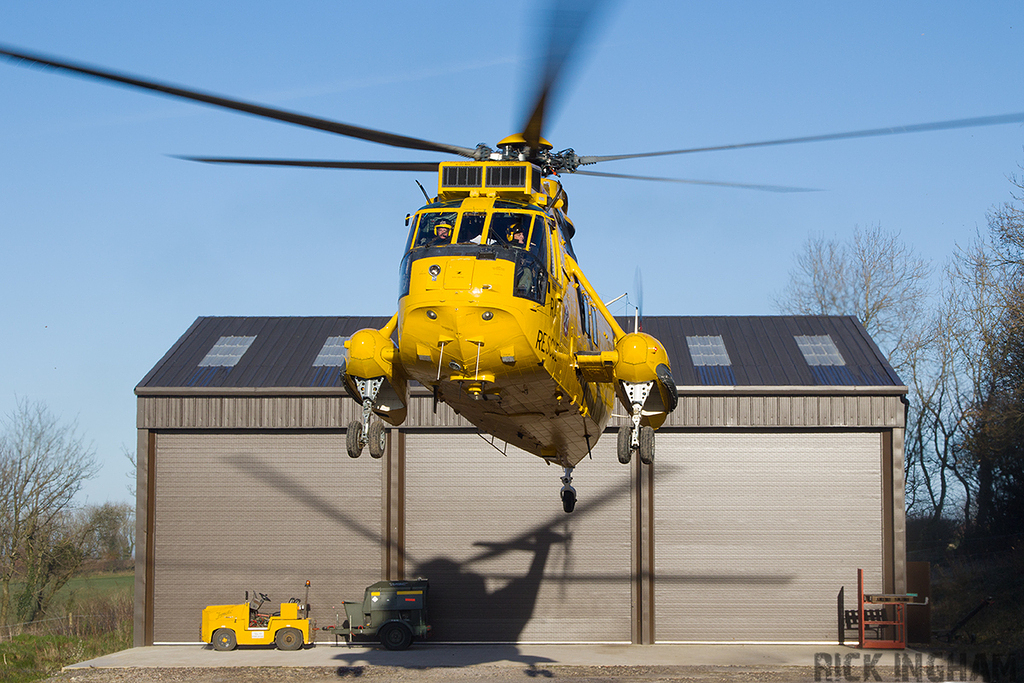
<point x="354" y="439"/>
<point x="623" y="448"/>
<point x="224" y="640"/>
<point x="288" y="639"/>
<point x="647" y="445"/>
<point x="395" y="636"/>
<point x="377" y="439"/>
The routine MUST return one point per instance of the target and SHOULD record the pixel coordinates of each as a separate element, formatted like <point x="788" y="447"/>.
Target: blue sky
<point x="111" y="248"/>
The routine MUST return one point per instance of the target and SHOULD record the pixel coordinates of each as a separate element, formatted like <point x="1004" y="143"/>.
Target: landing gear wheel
<point x="288" y="639"/>
<point x="224" y="640"/>
<point x="377" y="438"/>
<point x="354" y="439"/>
<point x="568" y="500"/>
<point x="623" y="448"/>
<point x="396" y="636"/>
<point x="647" y="445"/>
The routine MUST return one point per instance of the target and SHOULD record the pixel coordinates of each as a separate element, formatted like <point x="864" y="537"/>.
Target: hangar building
<point x="779" y="474"/>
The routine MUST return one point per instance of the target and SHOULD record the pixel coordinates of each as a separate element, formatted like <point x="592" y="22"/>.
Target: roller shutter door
<point x="265" y="512"/>
<point x="755" y="533"/>
<point x="505" y="563"/>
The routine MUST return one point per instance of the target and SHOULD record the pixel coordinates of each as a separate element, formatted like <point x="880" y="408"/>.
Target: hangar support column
<point x="145" y="488"/>
<point x="642" y="542"/>
<point x="393" y="501"/>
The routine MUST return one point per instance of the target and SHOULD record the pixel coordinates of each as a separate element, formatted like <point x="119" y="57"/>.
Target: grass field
<point x="89" y="617"/>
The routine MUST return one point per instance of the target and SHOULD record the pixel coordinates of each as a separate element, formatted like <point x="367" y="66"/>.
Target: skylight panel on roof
<point x="226" y="352"/>
<point x="708" y="350"/>
<point x="819" y="350"/>
<point x="332" y="354"/>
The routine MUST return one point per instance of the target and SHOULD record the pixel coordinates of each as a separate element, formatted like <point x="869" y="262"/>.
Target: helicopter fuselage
<point x="496" y="317"/>
<point x="494" y="328"/>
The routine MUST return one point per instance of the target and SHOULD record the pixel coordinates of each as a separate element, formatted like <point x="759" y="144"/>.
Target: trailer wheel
<point x="395" y="636"/>
<point x="224" y="640"/>
<point x="288" y="639"/>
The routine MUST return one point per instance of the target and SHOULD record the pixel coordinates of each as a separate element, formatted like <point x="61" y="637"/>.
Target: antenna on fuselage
<point x="425" y="195"/>
<point x="638" y="285"/>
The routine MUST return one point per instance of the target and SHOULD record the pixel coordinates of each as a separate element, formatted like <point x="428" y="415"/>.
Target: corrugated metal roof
<point x="282" y="355"/>
<point x="762" y="349"/>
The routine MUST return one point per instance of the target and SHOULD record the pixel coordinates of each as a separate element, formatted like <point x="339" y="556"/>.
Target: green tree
<point x="110" y="532"/>
<point x="43" y="463"/>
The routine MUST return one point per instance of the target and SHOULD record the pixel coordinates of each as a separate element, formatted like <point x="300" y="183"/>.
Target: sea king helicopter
<point x="495" y="315"/>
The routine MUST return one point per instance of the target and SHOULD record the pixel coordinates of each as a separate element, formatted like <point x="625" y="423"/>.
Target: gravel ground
<point x="570" y="674"/>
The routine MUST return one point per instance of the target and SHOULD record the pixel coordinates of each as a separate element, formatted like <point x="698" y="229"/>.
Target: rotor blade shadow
<point x="296" y="490"/>
<point x="583" y="508"/>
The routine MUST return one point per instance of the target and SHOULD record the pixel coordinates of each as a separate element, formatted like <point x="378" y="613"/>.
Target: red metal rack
<point x="882" y="613"/>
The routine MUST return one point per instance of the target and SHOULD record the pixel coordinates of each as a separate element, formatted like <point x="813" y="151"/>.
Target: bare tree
<point x="43" y="463"/>
<point x="969" y="436"/>
<point x="961" y="357"/>
<point x="989" y="303"/>
<point x="935" y="471"/>
<point x="129" y="455"/>
<point x="876" y="277"/>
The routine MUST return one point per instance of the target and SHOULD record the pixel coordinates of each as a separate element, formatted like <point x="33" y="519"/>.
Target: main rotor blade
<point x="975" y="122"/>
<point x="742" y="186"/>
<point x="315" y="163"/>
<point x="567" y="25"/>
<point x="237" y="105"/>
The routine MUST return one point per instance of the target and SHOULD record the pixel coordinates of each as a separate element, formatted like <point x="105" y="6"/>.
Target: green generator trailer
<point x="395" y="612"/>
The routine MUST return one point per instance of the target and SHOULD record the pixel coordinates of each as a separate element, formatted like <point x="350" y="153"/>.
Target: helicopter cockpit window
<point x="471" y="229"/>
<point x="566" y="230"/>
<point x="411" y="242"/>
<point x="530" y="280"/>
<point x="435" y="228"/>
<point x="538" y="239"/>
<point x="510" y="229"/>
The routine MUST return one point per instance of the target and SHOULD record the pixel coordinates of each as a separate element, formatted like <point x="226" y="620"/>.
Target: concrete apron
<point x="423" y="655"/>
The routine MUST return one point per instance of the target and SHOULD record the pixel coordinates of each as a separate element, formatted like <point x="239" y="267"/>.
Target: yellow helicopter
<point x="495" y="315"/>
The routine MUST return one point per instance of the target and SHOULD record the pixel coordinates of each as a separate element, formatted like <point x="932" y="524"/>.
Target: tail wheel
<point x="395" y="636"/>
<point x="288" y="639"/>
<point x="377" y="439"/>
<point x="354" y="439"/>
<point x="647" y="445"/>
<point x="624" y="447"/>
<point x="224" y="640"/>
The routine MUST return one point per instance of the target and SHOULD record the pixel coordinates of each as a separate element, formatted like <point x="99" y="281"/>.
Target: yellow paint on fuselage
<point x="505" y="361"/>
<point x="498" y="319"/>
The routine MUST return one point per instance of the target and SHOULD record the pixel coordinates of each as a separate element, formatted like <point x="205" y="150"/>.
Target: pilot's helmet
<point x="443" y="226"/>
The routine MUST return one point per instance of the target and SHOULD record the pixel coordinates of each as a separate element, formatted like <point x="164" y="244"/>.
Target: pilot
<point x="517" y="237"/>
<point x="442" y="233"/>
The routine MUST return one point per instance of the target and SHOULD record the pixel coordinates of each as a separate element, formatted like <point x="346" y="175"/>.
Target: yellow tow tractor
<point x="226" y="626"/>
